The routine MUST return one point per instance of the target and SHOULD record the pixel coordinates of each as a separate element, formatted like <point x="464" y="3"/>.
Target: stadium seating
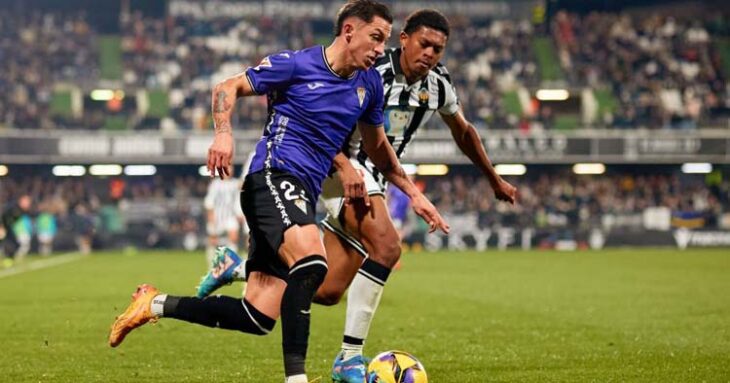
<point x="627" y="71"/>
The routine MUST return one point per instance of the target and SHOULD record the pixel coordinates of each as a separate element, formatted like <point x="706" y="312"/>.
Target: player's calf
<point x="218" y="311"/>
<point x="385" y="249"/>
<point x="304" y="278"/>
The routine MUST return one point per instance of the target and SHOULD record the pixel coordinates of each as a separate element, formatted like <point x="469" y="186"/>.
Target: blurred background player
<point x="224" y="216"/>
<point x="46" y="227"/>
<point x="11" y="216"/>
<point x="82" y="222"/>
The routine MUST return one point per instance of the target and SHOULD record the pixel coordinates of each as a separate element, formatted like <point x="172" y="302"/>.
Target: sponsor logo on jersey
<point x="361" y="95"/>
<point x="314" y="85"/>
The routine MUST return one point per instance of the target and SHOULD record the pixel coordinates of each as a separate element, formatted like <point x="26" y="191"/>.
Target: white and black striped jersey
<point x="407" y="107"/>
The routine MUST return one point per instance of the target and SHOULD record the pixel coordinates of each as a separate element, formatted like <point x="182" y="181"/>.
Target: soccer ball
<point x="396" y="367"/>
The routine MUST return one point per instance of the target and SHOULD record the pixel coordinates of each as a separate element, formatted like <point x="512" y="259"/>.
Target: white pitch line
<point x="42" y="264"/>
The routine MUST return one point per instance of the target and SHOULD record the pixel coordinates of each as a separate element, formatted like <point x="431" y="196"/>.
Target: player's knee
<point x="309" y="271"/>
<point x="386" y="250"/>
<point x="255" y="322"/>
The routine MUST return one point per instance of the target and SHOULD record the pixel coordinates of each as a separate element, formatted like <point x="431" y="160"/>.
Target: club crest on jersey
<point x="423" y="96"/>
<point x="301" y="204"/>
<point x="265" y="63"/>
<point x="360" y="95"/>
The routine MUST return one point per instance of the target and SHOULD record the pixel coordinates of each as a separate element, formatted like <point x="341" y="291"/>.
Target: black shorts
<point x="272" y="202"/>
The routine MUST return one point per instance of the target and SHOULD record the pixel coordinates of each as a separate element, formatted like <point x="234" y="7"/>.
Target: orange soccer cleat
<point x="137" y="314"/>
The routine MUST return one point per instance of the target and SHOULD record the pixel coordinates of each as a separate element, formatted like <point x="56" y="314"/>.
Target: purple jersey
<point x="312" y="110"/>
<point x="398" y="204"/>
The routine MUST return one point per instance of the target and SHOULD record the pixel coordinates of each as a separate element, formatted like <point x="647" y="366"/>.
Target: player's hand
<point x="425" y="209"/>
<point x="504" y="191"/>
<point x="353" y="185"/>
<point x="220" y="155"/>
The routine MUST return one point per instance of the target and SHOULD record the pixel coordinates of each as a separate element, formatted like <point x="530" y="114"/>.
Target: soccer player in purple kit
<point x="359" y="233"/>
<point x="315" y="97"/>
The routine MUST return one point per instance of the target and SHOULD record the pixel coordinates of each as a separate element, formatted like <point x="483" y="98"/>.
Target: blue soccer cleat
<point x="221" y="271"/>
<point x="349" y="371"/>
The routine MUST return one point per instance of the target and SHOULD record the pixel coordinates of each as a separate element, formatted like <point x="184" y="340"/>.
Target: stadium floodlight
<point x="410" y="169"/>
<point x="510" y="169"/>
<point x="105" y="170"/>
<point x="140" y="170"/>
<point x="697" y="168"/>
<point x="102" y="94"/>
<point x="552" y="94"/>
<point x="68" y="170"/>
<point x="3" y="170"/>
<point x="589" y="168"/>
<point x="432" y="170"/>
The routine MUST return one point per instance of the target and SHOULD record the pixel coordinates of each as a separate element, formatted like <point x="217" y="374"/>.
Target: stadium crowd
<point x="663" y="71"/>
<point x="159" y="210"/>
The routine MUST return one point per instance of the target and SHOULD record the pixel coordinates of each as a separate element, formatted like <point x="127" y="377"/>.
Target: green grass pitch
<point x="610" y="316"/>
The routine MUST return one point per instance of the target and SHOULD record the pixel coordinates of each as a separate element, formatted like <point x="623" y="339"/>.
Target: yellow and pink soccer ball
<point x="396" y="367"/>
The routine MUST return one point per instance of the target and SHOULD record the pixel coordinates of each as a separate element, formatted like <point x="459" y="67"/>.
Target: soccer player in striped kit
<point x="316" y="96"/>
<point x="224" y="216"/>
<point x="364" y="248"/>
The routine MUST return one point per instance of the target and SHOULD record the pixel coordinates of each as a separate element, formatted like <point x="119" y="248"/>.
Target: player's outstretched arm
<point x="383" y="156"/>
<point x="468" y="140"/>
<point x="220" y="153"/>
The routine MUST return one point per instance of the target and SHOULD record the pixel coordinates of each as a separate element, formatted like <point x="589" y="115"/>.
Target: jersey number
<point x="289" y="190"/>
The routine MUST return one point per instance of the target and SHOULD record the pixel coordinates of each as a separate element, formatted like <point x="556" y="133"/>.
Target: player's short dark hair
<point x="364" y="10"/>
<point x="430" y="18"/>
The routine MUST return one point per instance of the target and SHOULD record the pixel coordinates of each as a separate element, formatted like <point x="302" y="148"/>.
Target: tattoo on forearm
<point x="222" y="124"/>
<point x="221" y="112"/>
<point x="221" y="105"/>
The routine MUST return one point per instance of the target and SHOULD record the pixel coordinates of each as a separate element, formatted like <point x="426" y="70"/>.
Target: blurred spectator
<point x="83" y="227"/>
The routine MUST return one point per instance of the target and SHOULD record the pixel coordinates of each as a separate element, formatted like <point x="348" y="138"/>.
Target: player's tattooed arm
<point x="222" y="112"/>
<point x="225" y="94"/>
<point x="220" y="153"/>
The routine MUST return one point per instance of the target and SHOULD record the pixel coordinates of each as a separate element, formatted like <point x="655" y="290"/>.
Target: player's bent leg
<point x="343" y="262"/>
<point x="254" y="314"/>
<point x="303" y="252"/>
<point x="376" y="230"/>
<point x="382" y="243"/>
<point x="265" y="293"/>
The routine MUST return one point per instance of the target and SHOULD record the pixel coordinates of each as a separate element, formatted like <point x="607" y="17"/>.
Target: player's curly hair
<point x="430" y="18"/>
<point x="364" y="10"/>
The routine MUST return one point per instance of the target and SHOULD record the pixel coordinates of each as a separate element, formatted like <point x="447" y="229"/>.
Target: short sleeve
<point x="373" y="115"/>
<point x="450" y="99"/>
<point x="273" y="72"/>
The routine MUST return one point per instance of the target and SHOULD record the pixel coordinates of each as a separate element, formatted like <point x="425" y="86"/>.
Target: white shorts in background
<point x="224" y="226"/>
